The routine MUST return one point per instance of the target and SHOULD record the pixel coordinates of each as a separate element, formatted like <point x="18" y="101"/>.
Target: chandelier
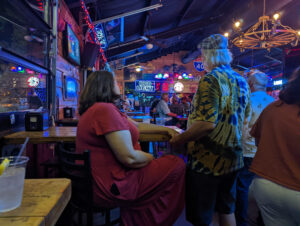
<point x="267" y="33"/>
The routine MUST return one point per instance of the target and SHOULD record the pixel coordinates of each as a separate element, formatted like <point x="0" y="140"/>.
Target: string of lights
<point x="92" y="28"/>
<point x="40" y="5"/>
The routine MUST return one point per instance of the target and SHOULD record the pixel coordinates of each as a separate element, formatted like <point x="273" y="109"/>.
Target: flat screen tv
<point x="73" y="49"/>
<point x="70" y="87"/>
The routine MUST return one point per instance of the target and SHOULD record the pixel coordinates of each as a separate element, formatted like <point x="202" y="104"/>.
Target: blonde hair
<point x="216" y="57"/>
<point x="257" y="79"/>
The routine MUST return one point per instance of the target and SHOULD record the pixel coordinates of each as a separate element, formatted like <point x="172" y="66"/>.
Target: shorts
<point x="206" y="194"/>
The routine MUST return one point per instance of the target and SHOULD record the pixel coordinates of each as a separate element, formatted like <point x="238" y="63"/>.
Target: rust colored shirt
<point x="277" y="132"/>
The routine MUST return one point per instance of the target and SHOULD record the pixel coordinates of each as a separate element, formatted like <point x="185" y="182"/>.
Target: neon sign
<point x="277" y="83"/>
<point x="178" y="87"/>
<point x="100" y="35"/>
<point x="145" y="86"/>
<point x="33" y="82"/>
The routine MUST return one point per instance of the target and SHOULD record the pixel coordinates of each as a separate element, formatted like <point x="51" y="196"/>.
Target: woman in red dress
<point x="148" y="191"/>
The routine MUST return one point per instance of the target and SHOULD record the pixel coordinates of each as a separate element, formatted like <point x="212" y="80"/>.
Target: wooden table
<point x="67" y="122"/>
<point x="68" y="134"/>
<point x="43" y="202"/>
<point x="51" y="135"/>
<point x="141" y="118"/>
<point x="131" y="113"/>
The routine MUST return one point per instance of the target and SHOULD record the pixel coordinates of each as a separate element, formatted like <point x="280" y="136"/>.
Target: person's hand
<point x="172" y="133"/>
<point x="174" y="140"/>
<point x="177" y="146"/>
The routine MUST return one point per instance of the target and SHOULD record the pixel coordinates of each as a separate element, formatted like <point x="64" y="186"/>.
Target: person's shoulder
<point x="103" y="106"/>
<point x="270" y="98"/>
<point x="209" y="78"/>
<point x="239" y="78"/>
<point x="159" y="103"/>
<point x="272" y="106"/>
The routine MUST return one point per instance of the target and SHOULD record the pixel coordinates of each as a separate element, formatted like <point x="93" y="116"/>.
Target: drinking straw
<point x="22" y="149"/>
<point x="5" y="162"/>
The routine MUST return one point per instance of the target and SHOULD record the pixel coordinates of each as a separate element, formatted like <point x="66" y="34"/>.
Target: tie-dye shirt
<point x="222" y="98"/>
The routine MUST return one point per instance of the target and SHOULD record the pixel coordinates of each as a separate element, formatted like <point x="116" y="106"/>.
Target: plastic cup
<point x="147" y="120"/>
<point x="12" y="183"/>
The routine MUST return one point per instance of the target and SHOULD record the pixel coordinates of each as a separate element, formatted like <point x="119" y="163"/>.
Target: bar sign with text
<point x="144" y="86"/>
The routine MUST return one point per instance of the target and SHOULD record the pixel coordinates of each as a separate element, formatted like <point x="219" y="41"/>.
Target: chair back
<point x="77" y="167"/>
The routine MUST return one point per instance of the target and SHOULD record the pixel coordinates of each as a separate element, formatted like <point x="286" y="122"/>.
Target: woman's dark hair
<point x="291" y="93"/>
<point x="99" y="87"/>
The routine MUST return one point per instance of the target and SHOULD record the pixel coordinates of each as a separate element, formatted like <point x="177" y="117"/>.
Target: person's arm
<point x="121" y="145"/>
<point x="196" y="131"/>
<point x="256" y="129"/>
<point x="166" y="110"/>
<point x="149" y="128"/>
<point x="172" y="114"/>
<point x="205" y="115"/>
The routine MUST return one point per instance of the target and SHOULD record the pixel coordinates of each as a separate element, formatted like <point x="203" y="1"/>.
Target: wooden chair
<point x="77" y="167"/>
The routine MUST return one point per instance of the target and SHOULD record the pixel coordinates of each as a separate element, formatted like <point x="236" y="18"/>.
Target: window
<point x="21" y="88"/>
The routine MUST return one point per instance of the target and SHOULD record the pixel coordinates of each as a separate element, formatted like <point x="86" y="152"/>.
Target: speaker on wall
<point x="126" y="74"/>
<point x="291" y="61"/>
<point x="89" y="55"/>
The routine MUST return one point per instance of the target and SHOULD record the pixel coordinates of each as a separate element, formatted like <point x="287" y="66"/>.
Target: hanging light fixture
<point x="267" y="33"/>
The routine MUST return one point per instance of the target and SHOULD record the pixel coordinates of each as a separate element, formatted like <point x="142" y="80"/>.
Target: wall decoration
<point x="165" y="87"/>
<point x="33" y="82"/>
<point x="73" y="46"/>
<point x="70" y="87"/>
<point x="199" y="65"/>
<point x="144" y="86"/>
<point x="100" y="34"/>
<point x="178" y="87"/>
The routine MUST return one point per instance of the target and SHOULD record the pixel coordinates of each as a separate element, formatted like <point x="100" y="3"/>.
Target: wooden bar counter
<point x="68" y="134"/>
<point x="43" y="202"/>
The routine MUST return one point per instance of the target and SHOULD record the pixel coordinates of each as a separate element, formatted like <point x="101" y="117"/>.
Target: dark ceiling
<point x="182" y="24"/>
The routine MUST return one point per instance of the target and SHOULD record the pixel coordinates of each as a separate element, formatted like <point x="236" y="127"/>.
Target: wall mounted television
<point x="73" y="48"/>
<point x="70" y="87"/>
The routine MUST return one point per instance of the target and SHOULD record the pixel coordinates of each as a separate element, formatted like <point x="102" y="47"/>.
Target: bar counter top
<point x="68" y="134"/>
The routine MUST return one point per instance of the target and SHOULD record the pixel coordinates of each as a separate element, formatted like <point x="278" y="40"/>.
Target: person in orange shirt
<point x="276" y="188"/>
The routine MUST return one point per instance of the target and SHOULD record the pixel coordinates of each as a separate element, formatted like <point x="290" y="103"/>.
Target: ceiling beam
<point x="187" y="28"/>
<point x="274" y="59"/>
<point x="128" y="13"/>
<point x="126" y="57"/>
<point x="184" y="12"/>
<point x="146" y="20"/>
<point x="154" y="55"/>
<point x="125" y="47"/>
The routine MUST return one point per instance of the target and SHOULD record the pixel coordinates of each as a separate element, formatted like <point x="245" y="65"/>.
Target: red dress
<point x="152" y="195"/>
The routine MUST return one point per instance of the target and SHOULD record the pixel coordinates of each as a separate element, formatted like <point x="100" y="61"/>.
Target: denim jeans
<point x="244" y="180"/>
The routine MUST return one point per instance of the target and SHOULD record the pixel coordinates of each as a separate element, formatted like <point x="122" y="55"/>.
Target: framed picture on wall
<point x="70" y="88"/>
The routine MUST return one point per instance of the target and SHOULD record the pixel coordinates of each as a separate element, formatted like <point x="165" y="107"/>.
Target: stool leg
<point x="107" y="217"/>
